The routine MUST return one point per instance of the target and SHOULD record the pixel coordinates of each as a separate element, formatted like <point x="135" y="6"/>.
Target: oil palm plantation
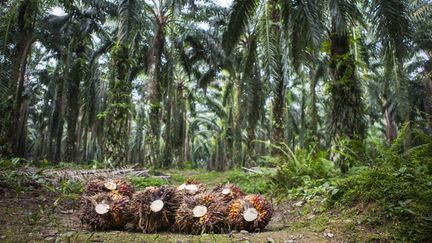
<point x="303" y="23"/>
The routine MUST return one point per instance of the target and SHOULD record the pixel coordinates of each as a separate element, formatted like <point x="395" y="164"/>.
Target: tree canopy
<point x="176" y="83"/>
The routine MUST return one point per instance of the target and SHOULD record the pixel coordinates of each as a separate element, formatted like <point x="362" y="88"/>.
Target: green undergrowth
<point x="11" y="175"/>
<point x="249" y="183"/>
<point x="390" y="195"/>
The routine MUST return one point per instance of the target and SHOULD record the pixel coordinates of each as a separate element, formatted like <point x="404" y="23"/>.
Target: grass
<point x="388" y="201"/>
<point x="249" y="183"/>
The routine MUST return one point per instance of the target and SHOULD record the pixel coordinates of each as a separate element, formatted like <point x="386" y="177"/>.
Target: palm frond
<point x="392" y="26"/>
<point x="303" y="23"/>
<point x="128" y="12"/>
<point x="344" y="14"/>
<point x="242" y="11"/>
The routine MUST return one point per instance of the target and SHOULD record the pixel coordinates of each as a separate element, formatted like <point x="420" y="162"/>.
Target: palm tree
<point x="20" y="21"/>
<point x="422" y="37"/>
<point x="116" y="144"/>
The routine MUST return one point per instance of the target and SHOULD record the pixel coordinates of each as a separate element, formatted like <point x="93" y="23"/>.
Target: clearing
<point x="42" y="212"/>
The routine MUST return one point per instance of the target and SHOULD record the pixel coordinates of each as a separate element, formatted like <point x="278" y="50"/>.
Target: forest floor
<point x="42" y="213"/>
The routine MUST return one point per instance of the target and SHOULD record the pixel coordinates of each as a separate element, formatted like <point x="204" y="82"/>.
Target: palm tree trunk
<point x="9" y="121"/>
<point x="59" y="131"/>
<point x="347" y="111"/>
<point x="314" y="110"/>
<point x="73" y="86"/>
<point x="116" y="144"/>
<point x="55" y="119"/>
<point x="390" y="124"/>
<point x="303" y="128"/>
<point x="22" y="128"/>
<point x="428" y="90"/>
<point x="186" y="144"/>
<point x="155" y="96"/>
<point x="84" y="144"/>
<point x="278" y="103"/>
<point x="18" y="133"/>
<point x="178" y="109"/>
<point x="168" y="136"/>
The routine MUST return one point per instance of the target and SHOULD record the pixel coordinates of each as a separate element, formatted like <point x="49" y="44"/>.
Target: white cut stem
<point x="102" y="208"/>
<point x="182" y="186"/>
<point x="250" y="214"/>
<point x="156" y="205"/>
<point x="110" y="185"/>
<point x="199" y="211"/>
<point x="226" y="191"/>
<point x="192" y="188"/>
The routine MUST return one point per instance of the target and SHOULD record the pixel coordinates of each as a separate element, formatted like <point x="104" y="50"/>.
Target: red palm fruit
<point x="154" y="208"/>
<point x="251" y="213"/>
<point x="105" y="211"/>
<point x="203" y="213"/>
<point x="94" y="187"/>
<point x="124" y="187"/>
<point x="228" y="192"/>
<point x="191" y="187"/>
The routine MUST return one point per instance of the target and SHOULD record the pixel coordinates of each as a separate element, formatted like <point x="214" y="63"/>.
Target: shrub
<point x="296" y="169"/>
<point x="141" y="183"/>
<point x="400" y="184"/>
<point x="250" y="183"/>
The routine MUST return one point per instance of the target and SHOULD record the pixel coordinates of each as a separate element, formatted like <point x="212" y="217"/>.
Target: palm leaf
<point x="392" y="26"/>
<point x="242" y="11"/>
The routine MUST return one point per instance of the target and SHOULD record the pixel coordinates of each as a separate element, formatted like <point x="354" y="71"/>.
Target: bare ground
<point x="39" y="216"/>
<point x="45" y="215"/>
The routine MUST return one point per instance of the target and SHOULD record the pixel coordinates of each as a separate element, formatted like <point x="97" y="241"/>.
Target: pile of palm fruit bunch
<point x="106" y="204"/>
<point x="251" y="213"/>
<point x="191" y="187"/>
<point x="188" y="208"/>
<point x="154" y="208"/>
<point x="202" y="213"/>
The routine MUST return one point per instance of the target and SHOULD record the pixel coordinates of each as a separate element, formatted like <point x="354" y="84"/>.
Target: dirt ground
<point x="41" y="216"/>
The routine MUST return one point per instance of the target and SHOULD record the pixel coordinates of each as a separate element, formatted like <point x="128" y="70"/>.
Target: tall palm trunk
<point x="347" y="111"/>
<point x="155" y="96"/>
<point x="60" y="123"/>
<point x="73" y="87"/>
<point x="186" y="142"/>
<point x="56" y="117"/>
<point x="168" y="136"/>
<point x="27" y="12"/>
<point x="428" y="91"/>
<point x="313" y="108"/>
<point x="277" y="73"/>
<point x="19" y="130"/>
<point x="116" y="144"/>
<point x="178" y="110"/>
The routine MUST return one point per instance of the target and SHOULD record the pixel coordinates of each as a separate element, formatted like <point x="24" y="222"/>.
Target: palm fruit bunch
<point x="94" y="187"/>
<point x="105" y="211"/>
<point x="202" y="213"/>
<point x="228" y="192"/>
<point x="112" y="204"/>
<point x="119" y="186"/>
<point x="106" y="204"/>
<point x="191" y="187"/>
<point x="154" y="208"/>
<point x="252" y="213"/>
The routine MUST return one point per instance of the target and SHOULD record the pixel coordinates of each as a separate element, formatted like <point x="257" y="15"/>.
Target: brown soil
<point x="41" y="215"/>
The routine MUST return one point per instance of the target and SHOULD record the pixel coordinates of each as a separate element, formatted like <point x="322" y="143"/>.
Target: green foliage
<point x="13" y="163"/>
<point x="301" y="168"/>
<point x="141" y="182"/>
<point x="399" y="184"/>
<point x="250" y="183"/>
<point x="71" y="187"/>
